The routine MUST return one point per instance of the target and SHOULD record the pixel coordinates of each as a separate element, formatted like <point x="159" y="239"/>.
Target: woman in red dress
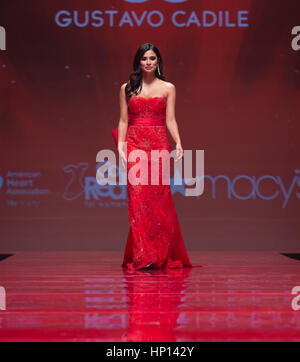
<point x="147" y="107"/>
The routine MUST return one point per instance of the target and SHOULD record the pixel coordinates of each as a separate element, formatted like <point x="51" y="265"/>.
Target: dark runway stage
<point x="87" y="296"/>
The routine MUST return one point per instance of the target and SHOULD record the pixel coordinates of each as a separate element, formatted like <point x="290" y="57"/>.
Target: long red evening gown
<point x="154" y="238"/>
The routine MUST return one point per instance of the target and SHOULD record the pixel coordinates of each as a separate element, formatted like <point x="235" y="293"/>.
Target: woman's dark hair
<point x="134" y="85"/>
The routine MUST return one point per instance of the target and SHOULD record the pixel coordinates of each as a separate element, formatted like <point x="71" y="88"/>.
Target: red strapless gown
<point x="154" y="236"/>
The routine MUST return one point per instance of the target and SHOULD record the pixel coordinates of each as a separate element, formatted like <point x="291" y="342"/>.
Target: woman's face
<point x="148" y="61"/>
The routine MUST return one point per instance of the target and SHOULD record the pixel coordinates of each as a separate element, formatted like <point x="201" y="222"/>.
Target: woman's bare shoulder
<point x="123" y="86"/>
<point x="168" y="87"/>
<point x="122" y="90"/>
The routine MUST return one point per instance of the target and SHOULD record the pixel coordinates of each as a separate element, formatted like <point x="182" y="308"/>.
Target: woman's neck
<point x="149" y="79"/>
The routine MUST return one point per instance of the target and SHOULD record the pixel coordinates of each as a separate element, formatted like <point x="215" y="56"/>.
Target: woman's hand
<point x="179" y="151"/>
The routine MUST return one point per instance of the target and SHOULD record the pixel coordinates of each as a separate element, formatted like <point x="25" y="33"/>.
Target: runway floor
<point x="87" y="296"/>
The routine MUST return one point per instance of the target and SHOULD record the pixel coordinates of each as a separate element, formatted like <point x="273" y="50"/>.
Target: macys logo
<point x="80" y="184"/>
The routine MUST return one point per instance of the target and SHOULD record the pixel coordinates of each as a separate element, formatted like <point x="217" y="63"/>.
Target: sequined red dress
<point x="154" y="236"/>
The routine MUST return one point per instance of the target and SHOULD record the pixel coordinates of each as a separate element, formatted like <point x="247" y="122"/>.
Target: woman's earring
<point x="158" y="70"/>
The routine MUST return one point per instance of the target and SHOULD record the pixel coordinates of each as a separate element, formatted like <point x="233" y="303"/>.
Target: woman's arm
<point x="171" y="120"/>
<point x="123" y="123"/>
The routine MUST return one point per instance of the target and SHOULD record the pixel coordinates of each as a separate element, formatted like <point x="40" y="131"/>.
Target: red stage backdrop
<point x="236" y="68"/>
